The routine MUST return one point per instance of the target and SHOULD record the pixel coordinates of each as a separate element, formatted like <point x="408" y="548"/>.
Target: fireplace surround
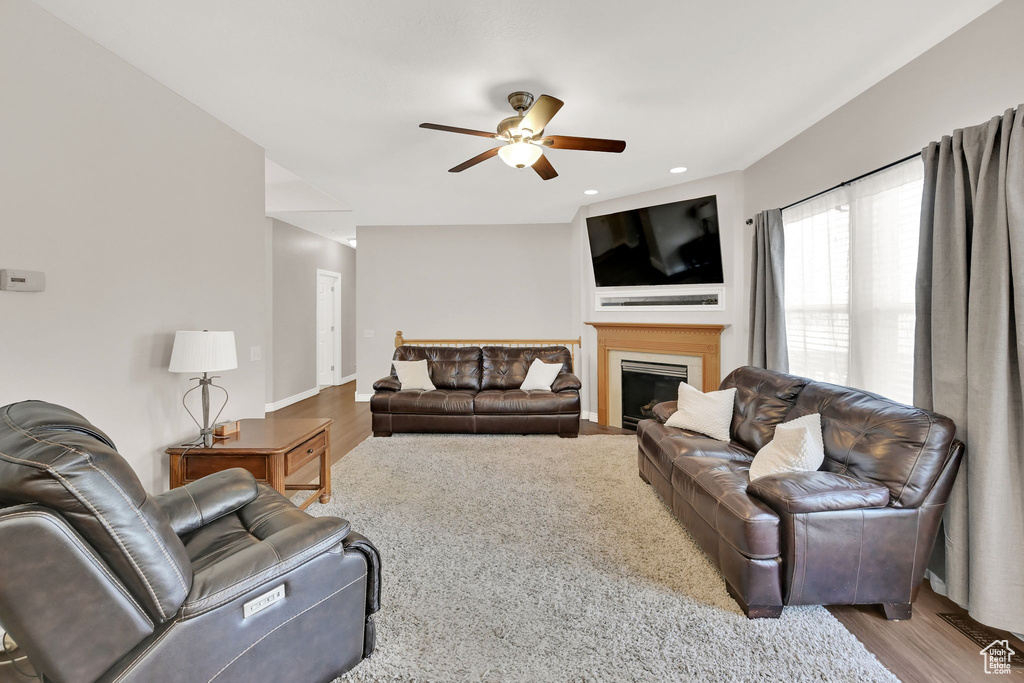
<point x="690" y="345"/>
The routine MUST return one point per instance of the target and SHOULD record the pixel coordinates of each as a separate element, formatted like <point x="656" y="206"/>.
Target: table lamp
<point x="204" y="352"/>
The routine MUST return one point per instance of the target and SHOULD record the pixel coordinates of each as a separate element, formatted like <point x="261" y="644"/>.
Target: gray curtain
<point x="767" y="304"/>
<point x="968" y="357"/>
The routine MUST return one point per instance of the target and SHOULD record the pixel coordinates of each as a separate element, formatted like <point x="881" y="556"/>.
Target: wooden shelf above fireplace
<point x="683" y="340"/>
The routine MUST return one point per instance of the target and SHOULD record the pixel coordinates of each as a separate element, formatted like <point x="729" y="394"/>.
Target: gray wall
<point x="461" y="281"/>
<point x="296" y="254"/>
<point x="968" y="78"/>
<point x="146" y="214"/>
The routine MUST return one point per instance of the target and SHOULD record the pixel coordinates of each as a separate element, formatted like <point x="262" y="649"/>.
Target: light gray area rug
<point x="510" y="558"/>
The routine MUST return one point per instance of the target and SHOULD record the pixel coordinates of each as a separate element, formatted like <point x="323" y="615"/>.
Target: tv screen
<point x="668" y="244"/>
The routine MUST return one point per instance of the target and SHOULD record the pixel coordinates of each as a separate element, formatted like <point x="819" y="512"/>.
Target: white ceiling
<point x="334" y="89"/>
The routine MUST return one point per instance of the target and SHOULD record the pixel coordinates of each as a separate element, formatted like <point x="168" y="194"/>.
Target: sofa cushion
<point x="451" y="367"/>
<point x="763" y="400"/>
<point x="716" y="489"/>
<point x="874" y="439"/>
<point x="663" y="445"/>
<point x="519" y="402"/>
<point x="505" y="367"/>
<point x="437" y="402"/>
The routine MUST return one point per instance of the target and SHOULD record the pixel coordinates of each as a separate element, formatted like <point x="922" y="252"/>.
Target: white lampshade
<point x="519" y="154"/>
<point x="203" y="351"/>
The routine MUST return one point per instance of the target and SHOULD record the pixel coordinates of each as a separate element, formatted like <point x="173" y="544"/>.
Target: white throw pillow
<point x="414" y="374"/>
<point x="709" y="413"/>
<point x="541" y="375"/>
<point x="796" y="447"/>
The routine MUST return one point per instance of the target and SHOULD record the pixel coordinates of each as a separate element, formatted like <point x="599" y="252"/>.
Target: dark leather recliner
<point x="477" y="392"/>
<point x="858" y="531"/>
<point x="101" y="581"/>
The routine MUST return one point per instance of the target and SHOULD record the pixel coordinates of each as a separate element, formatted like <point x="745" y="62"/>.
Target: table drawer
<point x="304" y="452"/>
<point x="198" y="466"/>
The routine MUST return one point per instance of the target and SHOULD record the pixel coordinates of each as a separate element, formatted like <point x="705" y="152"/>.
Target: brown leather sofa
<point x="858" y="531"/>
<point x="100" y="581"/>
<point x="477" y="392"/>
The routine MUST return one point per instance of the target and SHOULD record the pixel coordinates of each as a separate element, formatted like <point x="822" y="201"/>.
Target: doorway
<point x="328" y="328"/>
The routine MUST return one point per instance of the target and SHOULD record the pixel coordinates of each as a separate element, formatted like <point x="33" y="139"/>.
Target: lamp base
<point x="206" y="428"/>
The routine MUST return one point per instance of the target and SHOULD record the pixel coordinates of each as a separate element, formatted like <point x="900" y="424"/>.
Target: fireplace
<point x="644" y="385"/>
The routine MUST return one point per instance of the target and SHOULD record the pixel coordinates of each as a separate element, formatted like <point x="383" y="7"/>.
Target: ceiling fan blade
<point x="541" y="113"/>
<point x="587" y="144"/>
<point x="453" y="129"/>
<point x="475" y="160"/>
<point x="544" y="168"/>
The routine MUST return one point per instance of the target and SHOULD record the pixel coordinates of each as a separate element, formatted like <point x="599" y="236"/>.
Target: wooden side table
<point x="271" y="450"/>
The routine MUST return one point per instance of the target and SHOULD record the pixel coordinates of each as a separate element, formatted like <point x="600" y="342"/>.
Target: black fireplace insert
<point x="645" y="385"/>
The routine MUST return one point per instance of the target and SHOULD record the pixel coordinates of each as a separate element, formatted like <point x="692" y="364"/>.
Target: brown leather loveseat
<point x="477" y="392"/>
<point x="858" y="531"/>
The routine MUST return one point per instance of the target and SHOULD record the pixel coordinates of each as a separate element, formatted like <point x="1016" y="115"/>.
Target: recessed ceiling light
<point x="589" y="191"/>
<point x="677" y="169"/>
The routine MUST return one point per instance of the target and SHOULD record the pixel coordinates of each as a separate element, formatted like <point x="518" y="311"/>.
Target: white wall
<point x="968" y="78"/>
<point x="733" y="234"/>
<point x="296" y="255"/>
<point x="146" y="214"/>
<point x="461" y="281"/>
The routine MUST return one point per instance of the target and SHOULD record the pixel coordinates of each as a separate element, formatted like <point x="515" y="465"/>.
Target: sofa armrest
<point x="798" y="492"/>
<point x="566" y="381"/>
<point x="200" y="502"/>
<point x="389" y="383"/>
<point x="663" y="411"/>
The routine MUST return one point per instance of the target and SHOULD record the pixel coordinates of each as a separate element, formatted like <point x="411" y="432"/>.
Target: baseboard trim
<point x="589" y="416"/>
<point x="277" y="405"/>
<point x="363" y="398"/>
<point x="346" y="379"/>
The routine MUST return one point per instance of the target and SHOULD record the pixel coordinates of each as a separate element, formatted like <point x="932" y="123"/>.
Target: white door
<point x="325" y="329"/>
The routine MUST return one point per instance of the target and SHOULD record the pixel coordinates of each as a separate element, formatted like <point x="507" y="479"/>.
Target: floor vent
<point x="979" y="634"/>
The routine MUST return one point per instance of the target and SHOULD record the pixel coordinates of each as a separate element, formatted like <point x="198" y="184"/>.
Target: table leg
<point x="276" y="474"/>
<point x="325" y="470"/>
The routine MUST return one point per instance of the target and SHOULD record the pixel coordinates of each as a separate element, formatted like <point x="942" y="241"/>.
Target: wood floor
<point x="923" y="649"/>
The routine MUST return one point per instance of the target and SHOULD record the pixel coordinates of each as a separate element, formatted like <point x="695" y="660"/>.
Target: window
<point x="851" y="261"/>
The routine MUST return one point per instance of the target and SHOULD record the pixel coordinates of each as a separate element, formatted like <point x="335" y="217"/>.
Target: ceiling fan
<point x="523" y="136"/>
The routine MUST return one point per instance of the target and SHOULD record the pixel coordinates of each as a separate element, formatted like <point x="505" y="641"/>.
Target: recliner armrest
<point x="200" y="502"/>
<point x="255" y="565"/>
<point x="566" y="381"/>
<point x="389" y="383"/>
<point x="798" y="492"/>
<point x="663" y="411"/>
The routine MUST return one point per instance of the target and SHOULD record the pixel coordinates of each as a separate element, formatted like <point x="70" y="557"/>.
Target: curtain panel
<point x="767" y="347"/>
<point x="968" y="357"/>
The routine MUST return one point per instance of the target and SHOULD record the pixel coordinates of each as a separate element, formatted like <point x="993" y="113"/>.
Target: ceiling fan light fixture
<point x="519" y="154"/>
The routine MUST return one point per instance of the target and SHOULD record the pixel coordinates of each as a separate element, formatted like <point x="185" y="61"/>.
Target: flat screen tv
<point x="668" y="244"/>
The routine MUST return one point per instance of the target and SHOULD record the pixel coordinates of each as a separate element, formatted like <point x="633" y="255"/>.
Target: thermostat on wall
<point x="22" y="280"/>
